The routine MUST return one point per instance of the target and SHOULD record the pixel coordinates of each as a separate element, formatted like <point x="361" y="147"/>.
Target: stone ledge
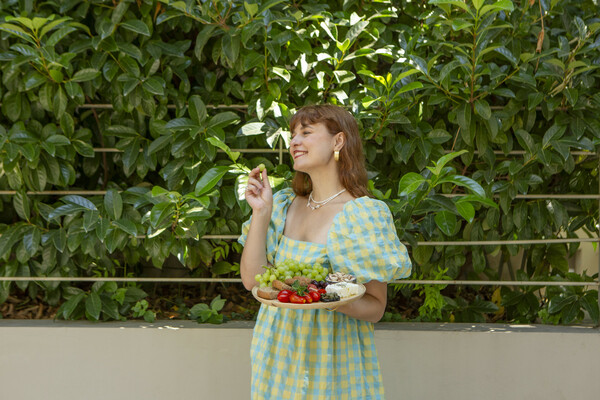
<point x="382" y="326"/>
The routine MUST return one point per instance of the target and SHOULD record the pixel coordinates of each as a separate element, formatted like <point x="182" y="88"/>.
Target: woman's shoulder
<point x="367" y="206"/>
<point x="281" y="201"/>
<point x="361" y="214"/>
<point x="284" y="195"/>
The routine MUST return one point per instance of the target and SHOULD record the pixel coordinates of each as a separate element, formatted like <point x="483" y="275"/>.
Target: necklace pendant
<point x="318" y="204"/>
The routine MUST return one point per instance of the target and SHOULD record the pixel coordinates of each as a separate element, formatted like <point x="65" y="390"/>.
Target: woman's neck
<point x="325" y="184"/>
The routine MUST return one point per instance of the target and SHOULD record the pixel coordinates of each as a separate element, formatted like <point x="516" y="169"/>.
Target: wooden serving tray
<point x="310" y="306"/>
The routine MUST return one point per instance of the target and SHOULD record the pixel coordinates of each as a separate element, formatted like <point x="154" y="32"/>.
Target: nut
<point x="335" y="277"/>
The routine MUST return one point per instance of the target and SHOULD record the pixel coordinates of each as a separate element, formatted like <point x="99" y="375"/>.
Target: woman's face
<point x="311" y="147"/>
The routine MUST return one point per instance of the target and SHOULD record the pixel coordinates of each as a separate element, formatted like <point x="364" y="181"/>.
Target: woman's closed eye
<point x="303" y="134"/>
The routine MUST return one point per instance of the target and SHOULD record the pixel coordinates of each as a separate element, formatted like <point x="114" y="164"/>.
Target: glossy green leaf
<point x="85" y="149"/>
<point x="154" y="85"/>
<point x="86" y="74"/>
<point x="70" y="305"/>
<point x="59" y="102"/>
<point x="446" y="221"/>
<point x="136" y="26"/>
<point x="253" y="128"/>
<point x="223" y="119"/>
<point x="159" y="212"/>
<point x="218" y="143"/>
<point x="444" y="160"/>
<point x="21" y="204"/>
<point x="93" y="306"/>
<point x="483" y="109"/>
<point x="590" y="303"/>
<point x="113" y="204"/>
<point x="464" y="182"/>
<point x="210" y="179"/>
<point x="80" y="201"/>
<point x="197" y="109"/>
<point x="502" y="5"/>
<point x="554" y="133"/>
<point x="126" y="226"/>
<point x="409" y="183"/>
<point x="67" y="209"/>
<point x="466" y="210"/>
<point x="507" y="54"/>
<point x="558" y="303"/>
<point x="526" y="140"/>
<point x="422" y="254"/>
<point x="181" y="123"/>
<point x="456" y="3"/>
<point x="31" y="241"/>
<point x="203" y="37"/>
<point x="159" y="144"/>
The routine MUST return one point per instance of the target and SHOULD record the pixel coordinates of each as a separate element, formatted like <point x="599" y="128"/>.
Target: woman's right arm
<point x="254" y="256"/>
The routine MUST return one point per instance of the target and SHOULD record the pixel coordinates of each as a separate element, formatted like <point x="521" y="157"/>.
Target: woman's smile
<point x="299" y="153"/>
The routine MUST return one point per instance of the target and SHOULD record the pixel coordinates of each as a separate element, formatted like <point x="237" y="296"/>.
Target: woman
<point x="326" y="217"/>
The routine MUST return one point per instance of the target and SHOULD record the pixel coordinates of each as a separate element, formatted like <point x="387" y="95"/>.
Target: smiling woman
<point x="327" y="217"/>
<point x="350" y="165"/>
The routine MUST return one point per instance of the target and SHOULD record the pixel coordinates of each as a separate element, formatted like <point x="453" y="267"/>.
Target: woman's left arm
<point x="371" y="306"/>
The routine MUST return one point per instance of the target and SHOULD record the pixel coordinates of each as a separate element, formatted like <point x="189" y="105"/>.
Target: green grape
<point x="289" y="268"/>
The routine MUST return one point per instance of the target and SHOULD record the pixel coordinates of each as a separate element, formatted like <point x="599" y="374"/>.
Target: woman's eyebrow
<point x="300" y="128"/>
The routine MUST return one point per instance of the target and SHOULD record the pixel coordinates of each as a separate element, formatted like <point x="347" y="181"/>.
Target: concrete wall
<point x="183" y="360"/>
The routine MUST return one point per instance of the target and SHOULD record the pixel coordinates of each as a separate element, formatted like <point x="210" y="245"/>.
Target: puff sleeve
<point x="281" y="201"/>
<point x="363" y="242"/>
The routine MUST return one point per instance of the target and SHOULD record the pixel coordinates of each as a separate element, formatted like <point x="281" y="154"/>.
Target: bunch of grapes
<point x="289" y="269"/>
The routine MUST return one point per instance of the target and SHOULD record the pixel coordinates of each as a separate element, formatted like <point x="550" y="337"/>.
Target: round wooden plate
<point x="311" y="306"/>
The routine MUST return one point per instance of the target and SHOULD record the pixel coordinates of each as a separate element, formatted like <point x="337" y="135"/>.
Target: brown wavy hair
<point x="351" y="165"/>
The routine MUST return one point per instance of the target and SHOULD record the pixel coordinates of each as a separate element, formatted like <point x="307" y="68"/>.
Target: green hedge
<point x="182" y="83"/>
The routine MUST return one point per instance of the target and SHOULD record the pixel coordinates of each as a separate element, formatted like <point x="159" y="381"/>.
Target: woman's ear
<point x="339" y="141"/>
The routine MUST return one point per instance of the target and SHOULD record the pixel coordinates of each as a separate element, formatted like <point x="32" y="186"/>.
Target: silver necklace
<point x="322" y="202"/>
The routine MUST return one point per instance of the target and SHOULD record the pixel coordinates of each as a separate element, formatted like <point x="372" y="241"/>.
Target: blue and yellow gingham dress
<point x="318" y="354"/>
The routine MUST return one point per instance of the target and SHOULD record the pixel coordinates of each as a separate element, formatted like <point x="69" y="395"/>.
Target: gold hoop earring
<point x="336" y="155"/>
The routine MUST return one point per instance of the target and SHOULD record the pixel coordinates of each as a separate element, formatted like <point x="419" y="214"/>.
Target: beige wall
<point x="184" y="360"/>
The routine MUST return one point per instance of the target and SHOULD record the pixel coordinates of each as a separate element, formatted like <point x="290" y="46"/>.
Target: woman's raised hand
<point x="258" y="193"/>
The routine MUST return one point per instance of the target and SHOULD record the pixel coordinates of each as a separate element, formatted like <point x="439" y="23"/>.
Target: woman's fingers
<point x="258" y="190"/>
<point x="265" y="178"/>
<point x="255" y="173"/>
<point x="255" y="182"/>
<point x="254" y="189"/>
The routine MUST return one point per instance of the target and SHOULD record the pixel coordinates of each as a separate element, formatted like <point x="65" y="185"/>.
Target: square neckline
<point x="287" y="207"/>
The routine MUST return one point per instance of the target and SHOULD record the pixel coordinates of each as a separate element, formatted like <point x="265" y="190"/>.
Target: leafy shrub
<point x="178" y="87"/>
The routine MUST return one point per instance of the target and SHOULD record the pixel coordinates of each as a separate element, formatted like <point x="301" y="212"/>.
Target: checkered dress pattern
<point x="317" y="354"/>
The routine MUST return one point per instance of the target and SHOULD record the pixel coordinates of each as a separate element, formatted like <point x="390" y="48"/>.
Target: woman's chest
<point x="303" y="223"/>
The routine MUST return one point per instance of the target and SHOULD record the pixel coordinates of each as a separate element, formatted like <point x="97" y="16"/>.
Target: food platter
<point x="310" y="306"/>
